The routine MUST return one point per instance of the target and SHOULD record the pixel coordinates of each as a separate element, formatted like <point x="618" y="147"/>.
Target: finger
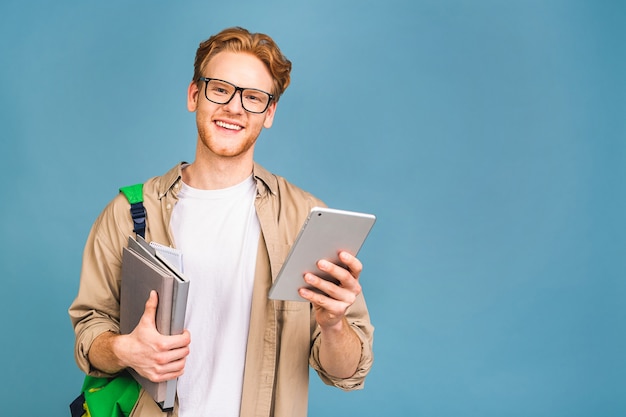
<point x="173" y="342"/>
<point x="170" y="364"/>
<point x="317" y="299"/>
<point x="163" y="360"/>
<point x="346" y="295"/>
<point x="149" y="313"/>
<point x="327" y="310"/>
<point x="345" y="277"/>
<point x="170" y="371"/>
<point x="352" y="263"/>
<point x="167" y="359"/>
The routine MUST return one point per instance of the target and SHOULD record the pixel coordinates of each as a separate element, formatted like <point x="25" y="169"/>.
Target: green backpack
<point x="116" y="396"/>
<point x="106" y="397"/>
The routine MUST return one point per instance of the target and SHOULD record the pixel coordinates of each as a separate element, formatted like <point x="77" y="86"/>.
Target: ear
<point x="192" y="96"/>
<point x="269" y="115"/>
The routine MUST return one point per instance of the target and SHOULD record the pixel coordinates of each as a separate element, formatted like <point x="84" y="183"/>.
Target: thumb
<point x="149" y="313"/>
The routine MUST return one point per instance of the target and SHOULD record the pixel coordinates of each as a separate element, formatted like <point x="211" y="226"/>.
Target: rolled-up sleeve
<point x="358" y="317"/>
<point x="95" y="309"/>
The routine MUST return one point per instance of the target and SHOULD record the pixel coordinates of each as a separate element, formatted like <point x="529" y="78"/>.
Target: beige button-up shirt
<point x="283" y="339"/>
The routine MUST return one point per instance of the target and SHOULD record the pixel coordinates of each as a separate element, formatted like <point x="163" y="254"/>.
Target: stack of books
<point x="147" y="267"/>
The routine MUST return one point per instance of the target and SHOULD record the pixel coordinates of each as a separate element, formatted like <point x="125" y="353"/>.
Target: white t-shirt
<point x="218" y="234"/>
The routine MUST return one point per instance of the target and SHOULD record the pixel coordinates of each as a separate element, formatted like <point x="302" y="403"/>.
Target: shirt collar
<point x="265" y="180"/>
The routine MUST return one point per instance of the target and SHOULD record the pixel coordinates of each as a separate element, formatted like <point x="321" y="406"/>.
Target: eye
<point x="254" y="98"/>
<point x="219" y="90"/>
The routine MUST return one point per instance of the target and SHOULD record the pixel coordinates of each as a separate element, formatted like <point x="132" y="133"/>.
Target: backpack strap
<point x="134" y="195"/>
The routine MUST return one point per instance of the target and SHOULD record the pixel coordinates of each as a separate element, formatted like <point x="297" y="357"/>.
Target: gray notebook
<point x="144" y="270"/>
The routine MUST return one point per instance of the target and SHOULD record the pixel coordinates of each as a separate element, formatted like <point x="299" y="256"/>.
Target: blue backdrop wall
<point x="489" y="137"/>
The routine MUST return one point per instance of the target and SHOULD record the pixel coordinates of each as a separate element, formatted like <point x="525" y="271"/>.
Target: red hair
<point x="237" y="39"/>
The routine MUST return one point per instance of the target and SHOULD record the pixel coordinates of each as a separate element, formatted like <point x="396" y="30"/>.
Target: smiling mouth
<point x="228" y="126"/>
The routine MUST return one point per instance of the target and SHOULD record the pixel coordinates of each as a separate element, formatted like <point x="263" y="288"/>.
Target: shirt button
<point x="169" y="206"/>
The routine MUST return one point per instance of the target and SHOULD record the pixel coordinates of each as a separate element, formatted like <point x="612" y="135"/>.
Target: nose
<point x="235" y="105"/>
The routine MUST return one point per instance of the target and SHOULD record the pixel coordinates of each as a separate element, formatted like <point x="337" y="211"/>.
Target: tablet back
<point x="324" y="234"/>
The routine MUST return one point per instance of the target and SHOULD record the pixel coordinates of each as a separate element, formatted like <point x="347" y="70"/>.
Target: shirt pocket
<point x="282" y="305"/>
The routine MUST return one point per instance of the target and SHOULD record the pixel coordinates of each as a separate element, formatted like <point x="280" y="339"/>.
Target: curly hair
<point x="237" y="39"/>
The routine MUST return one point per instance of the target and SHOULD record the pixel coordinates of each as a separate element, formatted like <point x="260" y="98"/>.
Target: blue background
<point x="489" y="137"/>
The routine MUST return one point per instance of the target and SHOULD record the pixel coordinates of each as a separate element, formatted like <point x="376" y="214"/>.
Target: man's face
<point x="228" y="130"/>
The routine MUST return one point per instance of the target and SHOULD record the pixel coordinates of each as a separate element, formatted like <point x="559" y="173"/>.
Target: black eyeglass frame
<point x="206" y="86"/>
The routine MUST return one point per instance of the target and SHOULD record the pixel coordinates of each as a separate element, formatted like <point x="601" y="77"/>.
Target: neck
<point x="216" y="174"/>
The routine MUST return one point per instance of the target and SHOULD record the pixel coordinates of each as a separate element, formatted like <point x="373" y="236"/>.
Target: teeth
<point x="227" y="125"/>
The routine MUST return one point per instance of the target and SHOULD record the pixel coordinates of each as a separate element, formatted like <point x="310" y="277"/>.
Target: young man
<point x="242" y="353"/>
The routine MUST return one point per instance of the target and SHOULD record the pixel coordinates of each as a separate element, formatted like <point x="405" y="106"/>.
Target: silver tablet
<point x="325" y="233"/>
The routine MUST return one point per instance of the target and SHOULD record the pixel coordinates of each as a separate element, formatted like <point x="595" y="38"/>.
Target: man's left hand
<point x="330" y="307"/>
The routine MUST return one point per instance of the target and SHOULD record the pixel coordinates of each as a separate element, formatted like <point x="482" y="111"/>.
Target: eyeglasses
<point x="222" y="92"/>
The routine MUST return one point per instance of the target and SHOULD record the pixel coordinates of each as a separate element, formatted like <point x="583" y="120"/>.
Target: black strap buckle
<point x="138" y="213"/>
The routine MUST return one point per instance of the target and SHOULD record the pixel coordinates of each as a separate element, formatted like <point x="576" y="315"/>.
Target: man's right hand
<point x="151" y="354"/>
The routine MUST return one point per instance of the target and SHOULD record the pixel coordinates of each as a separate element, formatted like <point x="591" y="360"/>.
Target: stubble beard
<point x="223" y="146"/>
